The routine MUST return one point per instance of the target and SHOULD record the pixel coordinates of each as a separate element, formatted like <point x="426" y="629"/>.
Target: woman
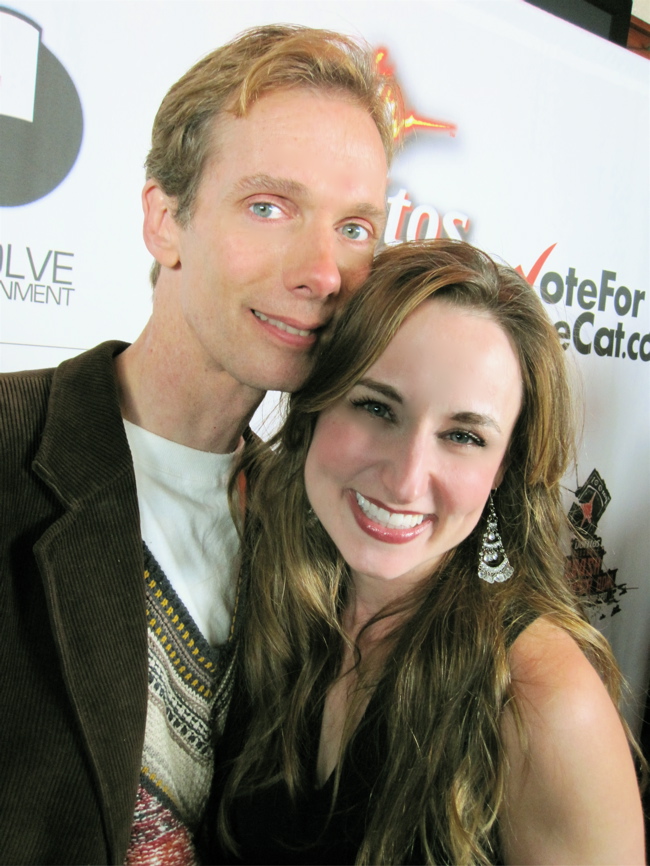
<point x="419" y="684"/>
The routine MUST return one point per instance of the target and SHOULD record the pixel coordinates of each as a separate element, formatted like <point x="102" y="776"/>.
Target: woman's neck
<point x="367" y="598"/>
<point x="347" y="697"/>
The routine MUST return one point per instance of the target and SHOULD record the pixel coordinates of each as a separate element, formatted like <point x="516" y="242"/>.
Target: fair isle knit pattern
<point x="190" y="685"/>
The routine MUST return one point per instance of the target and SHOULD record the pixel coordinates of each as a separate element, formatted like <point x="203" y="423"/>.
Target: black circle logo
<point x="37" y="154"/>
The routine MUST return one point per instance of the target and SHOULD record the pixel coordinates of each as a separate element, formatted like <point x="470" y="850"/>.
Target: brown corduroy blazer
<point x="73" y="642"/>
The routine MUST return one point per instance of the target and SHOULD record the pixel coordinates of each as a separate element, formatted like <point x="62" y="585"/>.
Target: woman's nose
<point x="406" y="472"/>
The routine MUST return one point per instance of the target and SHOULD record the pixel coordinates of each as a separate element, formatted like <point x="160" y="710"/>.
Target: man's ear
<point x="160" y="229"/>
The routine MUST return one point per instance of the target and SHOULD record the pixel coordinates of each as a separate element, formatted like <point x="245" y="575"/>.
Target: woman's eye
<point x="373" y="407"/>
<point x="265" y="210"/>
<point x="355" y="232"/>
<point x="464" y="437"/>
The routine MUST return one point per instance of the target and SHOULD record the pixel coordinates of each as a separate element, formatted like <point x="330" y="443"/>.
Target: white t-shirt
<point x="187" y="526"/>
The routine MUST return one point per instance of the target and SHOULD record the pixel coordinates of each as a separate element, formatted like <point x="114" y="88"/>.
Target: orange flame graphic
<point x="412" y="121"/>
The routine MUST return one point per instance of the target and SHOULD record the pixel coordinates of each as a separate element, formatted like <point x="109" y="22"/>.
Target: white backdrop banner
<point x="529" y="138"/>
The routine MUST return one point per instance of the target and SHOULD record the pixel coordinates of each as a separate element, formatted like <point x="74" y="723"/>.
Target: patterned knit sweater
<point x="190" y="685"/>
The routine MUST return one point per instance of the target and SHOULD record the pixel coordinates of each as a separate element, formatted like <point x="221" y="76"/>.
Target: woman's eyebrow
<point x="477" y="419"/>
<point x="382" y="388"/>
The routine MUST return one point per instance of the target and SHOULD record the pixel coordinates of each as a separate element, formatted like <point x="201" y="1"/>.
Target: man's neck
<point x="166" y="391"/>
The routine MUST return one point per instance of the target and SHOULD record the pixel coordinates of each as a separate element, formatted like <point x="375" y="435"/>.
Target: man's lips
<point x="296" y="329"/>
<point x="393" y="527"/>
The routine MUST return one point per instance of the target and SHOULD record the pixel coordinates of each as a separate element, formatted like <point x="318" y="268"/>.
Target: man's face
<point x="287" y="216"/>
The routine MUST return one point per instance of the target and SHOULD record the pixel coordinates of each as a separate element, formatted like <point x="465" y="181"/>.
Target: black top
<point x="270" y="828"/>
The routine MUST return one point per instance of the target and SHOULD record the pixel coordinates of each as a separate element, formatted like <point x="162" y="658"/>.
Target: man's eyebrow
<point x="370" y="212"/>
<point x="382" y="388"/>
<point x="286" y="187"/>
<point x="268" y="183"/>
<point x="476" y="419"/>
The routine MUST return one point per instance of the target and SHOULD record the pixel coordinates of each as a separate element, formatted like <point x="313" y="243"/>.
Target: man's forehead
<point x="282" y="104"/>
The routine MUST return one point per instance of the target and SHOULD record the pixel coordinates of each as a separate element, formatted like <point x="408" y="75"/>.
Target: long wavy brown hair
<point x="446" y="677"/>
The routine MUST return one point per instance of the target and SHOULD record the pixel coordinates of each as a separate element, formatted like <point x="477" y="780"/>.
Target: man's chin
<point x="283" y="380"/>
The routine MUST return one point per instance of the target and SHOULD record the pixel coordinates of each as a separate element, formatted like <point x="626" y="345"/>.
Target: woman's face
<point x="400" y="469"/>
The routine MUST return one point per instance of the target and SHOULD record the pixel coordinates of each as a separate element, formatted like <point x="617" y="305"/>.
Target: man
<point x="263" y="204"/>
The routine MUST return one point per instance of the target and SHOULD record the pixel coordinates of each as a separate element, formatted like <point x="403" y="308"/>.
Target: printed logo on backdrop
<point x="595" y="298"/>
<point x="406" y="220"/>
<point x="585" y="569"/>
<point x="36" y="276"/>
<point x="41" y="121"/>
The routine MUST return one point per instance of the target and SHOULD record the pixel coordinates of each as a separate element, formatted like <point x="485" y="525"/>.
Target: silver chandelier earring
<point x="493" y="563"/>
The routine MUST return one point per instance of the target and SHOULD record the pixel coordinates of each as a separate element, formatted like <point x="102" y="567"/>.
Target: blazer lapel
<point x="92" y="565"/>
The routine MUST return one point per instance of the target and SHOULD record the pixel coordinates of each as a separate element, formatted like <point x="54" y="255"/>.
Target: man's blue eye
<point x="264" y="209"/>
<point x="355" y="232"/>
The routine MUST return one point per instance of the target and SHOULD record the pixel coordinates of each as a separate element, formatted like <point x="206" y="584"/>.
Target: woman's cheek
<point x="341" y="445"/>
<point x="468" y="488"/>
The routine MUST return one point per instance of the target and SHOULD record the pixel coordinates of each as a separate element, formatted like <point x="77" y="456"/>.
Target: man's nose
<point x="313" y="268"/>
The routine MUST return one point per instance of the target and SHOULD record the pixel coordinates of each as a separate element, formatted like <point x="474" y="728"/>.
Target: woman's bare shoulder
<point x="550" y="674"/>
<point x="572" y="795"/>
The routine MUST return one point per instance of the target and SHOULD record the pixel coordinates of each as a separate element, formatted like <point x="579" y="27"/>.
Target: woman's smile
<point x="393" y="527"/>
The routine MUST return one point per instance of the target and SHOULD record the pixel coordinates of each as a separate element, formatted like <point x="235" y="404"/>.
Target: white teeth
<point x="390" y="519"/>
<point x="282" y="326"/>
